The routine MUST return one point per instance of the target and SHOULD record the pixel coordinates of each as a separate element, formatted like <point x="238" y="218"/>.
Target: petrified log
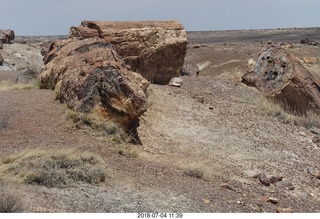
<point x="83" y="32"/>
<point x="1" y="44"/>
<point x="90" y="77"/>
<point x="6" y="36"/>
<point x="155" y="49"/>
<point x="277" y="73"/>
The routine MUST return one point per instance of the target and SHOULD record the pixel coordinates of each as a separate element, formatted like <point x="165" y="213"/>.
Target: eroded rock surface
<point x="90" y="77"/>
<point x="155" y="49"/>
<point x="277" y="73"/>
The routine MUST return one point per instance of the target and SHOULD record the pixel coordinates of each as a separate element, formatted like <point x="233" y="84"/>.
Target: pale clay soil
<point x="212" y="122"/>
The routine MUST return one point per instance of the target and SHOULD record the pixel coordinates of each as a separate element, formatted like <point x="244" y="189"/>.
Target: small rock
<point x="263" y="179"/>
<point x="26" y="76"/>
<point x="273" y="200"/>
<point x="206" y="201"/>
<point x="176" y="82"/>
<point x="314" y="172"/>
<point x="275" y="179"/>
<point x="210" y="108"/>
<point x="312" y="195"/>
<point x="285" y="185"/>
<point x="284" y="210"/>
<point x="226" y="186"/>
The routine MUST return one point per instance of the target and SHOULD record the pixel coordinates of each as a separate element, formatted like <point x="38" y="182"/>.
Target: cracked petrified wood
<point x="155" y="49"/>
<point x="277" y="73"/>
<point x="90" y="77"/>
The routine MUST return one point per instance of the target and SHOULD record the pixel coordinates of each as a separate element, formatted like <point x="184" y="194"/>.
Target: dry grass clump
<point x="51" y="168"/>
<point x="7" y="85"/>
<point x="197" y="170"/>
<point x="10" y="200"/>
<point x="127" y="151"/>
<point x="108" y="128"/>
<point x="273" y="108"/>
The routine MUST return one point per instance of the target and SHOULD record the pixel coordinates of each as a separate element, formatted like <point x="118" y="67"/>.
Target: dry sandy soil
<point x="213" y="125"/>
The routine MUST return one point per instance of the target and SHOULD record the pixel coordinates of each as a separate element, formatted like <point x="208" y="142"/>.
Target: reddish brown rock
<point x="279" y="74"/>
<point x="90" y="77"/>
<point x="155" y="49"/>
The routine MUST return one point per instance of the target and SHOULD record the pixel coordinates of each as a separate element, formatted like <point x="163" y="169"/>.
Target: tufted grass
<point x="54" y="168"/>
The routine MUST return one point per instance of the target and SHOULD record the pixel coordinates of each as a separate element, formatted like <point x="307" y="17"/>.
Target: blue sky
<point x="54" y="17"/>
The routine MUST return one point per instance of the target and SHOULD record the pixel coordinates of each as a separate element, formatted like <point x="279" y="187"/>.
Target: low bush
<point x="10" y="200"/>
<point x="107" y="128"/>
<point x="51" y="168"/>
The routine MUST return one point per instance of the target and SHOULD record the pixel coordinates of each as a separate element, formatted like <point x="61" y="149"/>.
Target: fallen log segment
<point x="90" y="77"/>
<point x="277" y="73"/>
<point x="155" y="49"/>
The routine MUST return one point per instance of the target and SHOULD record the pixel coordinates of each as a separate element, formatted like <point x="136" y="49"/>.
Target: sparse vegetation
<point x="61" y="168"/>
<point x="108" y="128"/>
<point x="127" y="151"/>
<point x="10" y="200"/>
<point x="196" y="170"/>
<point x="272" y="108"/>
<point x="7" y="85"/>
<point x="150" y="97"/>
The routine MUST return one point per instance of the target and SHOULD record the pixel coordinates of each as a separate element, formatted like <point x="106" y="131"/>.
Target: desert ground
<point x="201" y="143"/>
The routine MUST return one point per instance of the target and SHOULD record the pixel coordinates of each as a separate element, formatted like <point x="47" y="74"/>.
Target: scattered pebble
<point x="273" y="200"/>
<point x="226" y="186"/>
<point x="262" y="178"/>
<point x="314" y="172"/>
<point x="284" y="210"/>
<point x="285" y="185"/>
<point x="270" y="199"/>
<point x="206" y="201"/>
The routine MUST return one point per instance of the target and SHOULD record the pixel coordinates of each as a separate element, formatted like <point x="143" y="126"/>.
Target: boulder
<point x="90" y="77"/>
<point x="155" y="49"/>
<point x="6" y="36"/>
<point x="26" y="76"/>
<point x="277" y="73"/>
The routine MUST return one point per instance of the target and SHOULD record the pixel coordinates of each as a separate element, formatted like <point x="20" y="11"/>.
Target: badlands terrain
<point x="201" y="143"/>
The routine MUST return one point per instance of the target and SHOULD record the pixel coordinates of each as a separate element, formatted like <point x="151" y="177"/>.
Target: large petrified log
<point x="6" y="36"/>
<point x="90" y="77"/>
<point x="277" y="73"/>
<point x="155" y="49"/>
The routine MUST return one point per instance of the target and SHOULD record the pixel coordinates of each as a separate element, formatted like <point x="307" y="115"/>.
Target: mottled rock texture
<point x="155" y="49"/>
<point x="90" y="77"/>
